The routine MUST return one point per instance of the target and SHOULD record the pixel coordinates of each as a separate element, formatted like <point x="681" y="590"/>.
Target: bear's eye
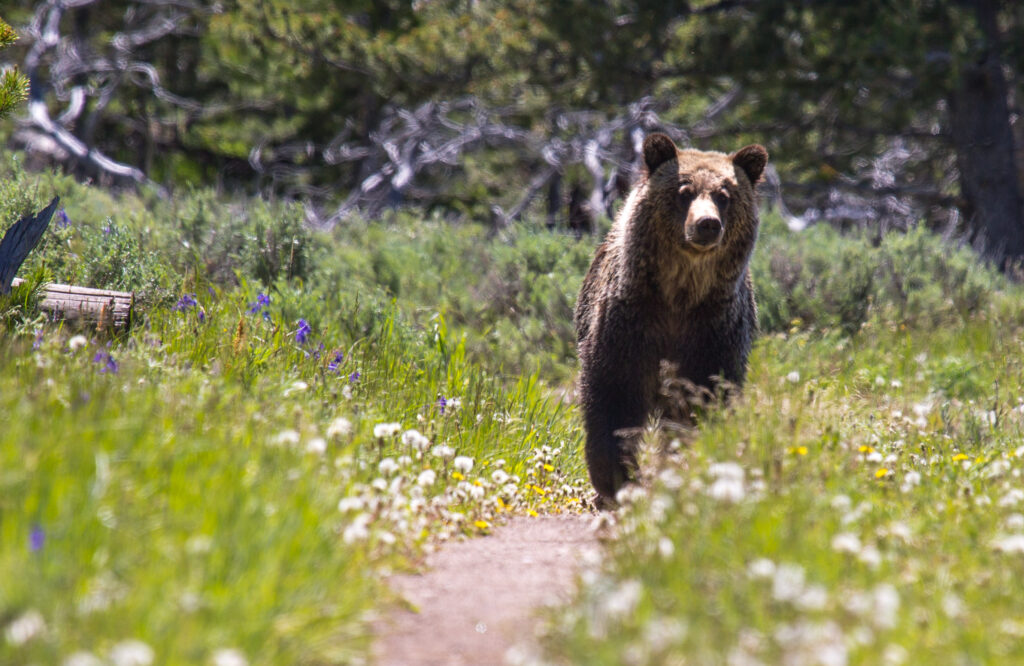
<point x="686" y="194"/>
<point x="721" y="198"/>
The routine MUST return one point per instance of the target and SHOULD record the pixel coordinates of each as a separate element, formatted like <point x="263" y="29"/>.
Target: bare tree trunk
<point x="983" y="140"/>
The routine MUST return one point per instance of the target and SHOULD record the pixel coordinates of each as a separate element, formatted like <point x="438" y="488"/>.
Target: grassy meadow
<point x="861" y="503"/>
<point x="295" y="412"/>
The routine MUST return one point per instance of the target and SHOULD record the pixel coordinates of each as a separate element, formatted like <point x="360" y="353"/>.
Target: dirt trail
<point x="478" y="598"/>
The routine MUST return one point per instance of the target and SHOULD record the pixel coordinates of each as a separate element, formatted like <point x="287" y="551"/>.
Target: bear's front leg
<point x="616" y="401"/>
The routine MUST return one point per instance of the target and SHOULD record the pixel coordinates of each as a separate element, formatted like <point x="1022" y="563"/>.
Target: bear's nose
<point x="706" y="231"/>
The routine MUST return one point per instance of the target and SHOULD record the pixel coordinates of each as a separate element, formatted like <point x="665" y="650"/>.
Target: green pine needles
<point x="13" y="84"/>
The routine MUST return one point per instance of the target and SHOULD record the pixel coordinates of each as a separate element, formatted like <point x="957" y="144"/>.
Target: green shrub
<point x="821" y="278"/>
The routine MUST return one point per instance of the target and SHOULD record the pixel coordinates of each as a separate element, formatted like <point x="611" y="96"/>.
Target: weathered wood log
<point x="104" y="308"/>
<point x="19" y="241"/>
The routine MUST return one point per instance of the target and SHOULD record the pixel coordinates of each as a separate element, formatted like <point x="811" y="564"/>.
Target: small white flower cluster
<point x="426" y="489"/>
<point x="727" y="483"/>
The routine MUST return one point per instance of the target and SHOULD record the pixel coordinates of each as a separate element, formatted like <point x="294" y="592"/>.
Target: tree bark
<point x="983" y="140"/>
<point x="19" y="241"/>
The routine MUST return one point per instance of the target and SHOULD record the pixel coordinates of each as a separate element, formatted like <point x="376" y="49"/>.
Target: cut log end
<point x="105" y="309"/>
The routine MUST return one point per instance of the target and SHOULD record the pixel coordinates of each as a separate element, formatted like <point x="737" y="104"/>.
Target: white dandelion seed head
<point x="793" y="377"/>
<point x="347" y="504"/>
<point x="666" y="548"/>
<point x="82" y="658"/>
<point x="388" y="466"/>
<point x="287" y="438"/>
<point x="670" y="478"/>
<point x="131" y="653"/>
<point x="728" y="483"/>
<point x="357" y="530"/>
<point x="386" y="430"/>
<point x="25" y="627"/>
<point x="463" y="464"/>
<point x="886" y="606"/>
<point x="1009" y="543"/>
<point x="761" y="568"/>
<point x="813" y="598"/>
<point x="623" y="599"/>
<point x="499" y="476"/>
<point x="340" y="427"/>
<point x="443" y="451"/>
<point x="846" y="542"/>
<point x="77" y="342"/>
<point x="1012" y="497"/>
<point x="726" y="470"/>
<point x="894" y="655"/>
<point x="228" y="657"/>
<point x="426" y="478"/>
<point x="788" y="582"/>
<point x="910" y="480"/>
<point x="317" y="446"/>
<point x="414" y="439"/>
<point x="870" y="556"/>
<point x="952" y="605"/>
<point x="841" y="503"/>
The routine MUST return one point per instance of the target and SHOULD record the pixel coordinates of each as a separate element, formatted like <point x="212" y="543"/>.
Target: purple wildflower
<point x="186" y="302"/>
<point x="108" y="228"/>
<point x="302" y="334"/>
<point x="339" y="356"/>
<point x="36" y="538"/>
<point x="109" y="364"/>
<point x="354" y="377"/>
<point x="262" y="301"/>
<point x="202" y="315"/>
<point x="39" y="339"/>
<point x="62" y="219"/>
<point x="441" y="404"/>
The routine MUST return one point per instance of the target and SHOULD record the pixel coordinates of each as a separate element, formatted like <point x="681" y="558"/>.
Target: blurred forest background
<point x="877" y="114"/>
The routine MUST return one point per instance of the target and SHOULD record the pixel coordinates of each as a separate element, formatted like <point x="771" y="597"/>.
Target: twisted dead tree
<point x="85" y="82"/>
<point x="410" y="147"/>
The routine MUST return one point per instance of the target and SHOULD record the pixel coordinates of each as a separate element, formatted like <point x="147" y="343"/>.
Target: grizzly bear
<point x="669" y="284"/>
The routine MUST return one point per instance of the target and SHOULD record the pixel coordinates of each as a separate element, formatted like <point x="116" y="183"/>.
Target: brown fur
<point x="663" y="287"/>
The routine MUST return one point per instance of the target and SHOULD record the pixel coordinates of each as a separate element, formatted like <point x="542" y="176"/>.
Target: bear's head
<point x="705" y="197"/>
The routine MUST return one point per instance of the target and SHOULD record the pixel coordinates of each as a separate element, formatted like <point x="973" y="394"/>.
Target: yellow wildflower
<point x="482" y="524"/>
<point x="881" y="472"/>
<point x="960" y="456"/>
<point x="531" y="513"/>
<point x="457" y="476"/>
<point x="549" y="468"/>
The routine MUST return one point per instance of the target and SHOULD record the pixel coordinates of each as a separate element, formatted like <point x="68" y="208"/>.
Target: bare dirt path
<point x="478" y="598"/>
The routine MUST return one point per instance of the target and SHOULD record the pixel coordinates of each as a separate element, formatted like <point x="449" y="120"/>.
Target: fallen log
<point x="101" y="307"/>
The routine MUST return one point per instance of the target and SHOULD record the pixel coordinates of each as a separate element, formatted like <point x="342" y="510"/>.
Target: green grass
<point x="232" y="487"/>
<point x="861" y="503"/>
<point x="190" y="500"/>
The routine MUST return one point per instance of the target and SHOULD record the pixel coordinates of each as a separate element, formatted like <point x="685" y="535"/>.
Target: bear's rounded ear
<point x="658" y="149"/>
<point x="752" y="159"/>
